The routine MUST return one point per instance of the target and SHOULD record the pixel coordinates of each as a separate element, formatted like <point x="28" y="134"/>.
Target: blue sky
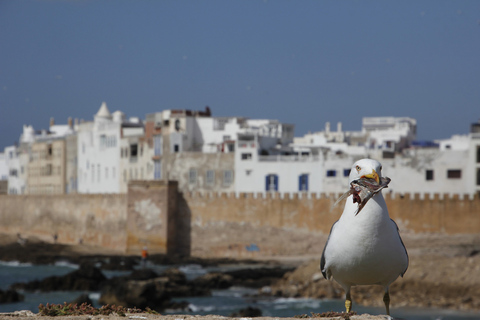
<point x="301" y="62"/>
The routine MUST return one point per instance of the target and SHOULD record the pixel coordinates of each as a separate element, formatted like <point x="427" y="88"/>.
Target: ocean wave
<point x="94" y="296"/>
<point x="192" y="271"/>
<point x="235" y="292"/>
<point x="15" y="264"/>
<point x="288" y="303"/>
<point x="195" y="308"/>
<point x="63" y="263"/>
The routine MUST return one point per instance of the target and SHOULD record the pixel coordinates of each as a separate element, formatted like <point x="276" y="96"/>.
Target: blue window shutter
<point x="276" y="182"/>
<point x="303" y="182"/>
<point x="267" y="178"/>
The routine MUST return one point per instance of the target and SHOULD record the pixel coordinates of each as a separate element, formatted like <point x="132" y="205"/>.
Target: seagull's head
<point x="366" y="168"/>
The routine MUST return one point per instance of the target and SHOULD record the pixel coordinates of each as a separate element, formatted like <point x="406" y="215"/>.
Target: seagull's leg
<point x="386" y="300"/>
<point x="348" y="300"/>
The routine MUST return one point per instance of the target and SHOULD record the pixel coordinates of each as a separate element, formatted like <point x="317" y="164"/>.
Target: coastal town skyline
<point x="320" y="128"/>
<point x="304" y="64"/>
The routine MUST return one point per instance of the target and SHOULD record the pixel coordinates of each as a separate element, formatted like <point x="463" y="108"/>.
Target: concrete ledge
<point x="27" y="315"/>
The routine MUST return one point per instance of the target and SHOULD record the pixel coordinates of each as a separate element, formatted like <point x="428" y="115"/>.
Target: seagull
<point x="364" y="249"/>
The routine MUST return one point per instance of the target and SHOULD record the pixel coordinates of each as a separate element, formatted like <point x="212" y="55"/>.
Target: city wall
<point x="71" y="219"/>
<point x="156" y="215"/>
<point x="415" y="212"/>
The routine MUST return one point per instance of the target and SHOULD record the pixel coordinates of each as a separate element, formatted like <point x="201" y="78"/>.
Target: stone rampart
<point x="92" y="219"/>
<point x="155" y="214"/>
<point x="313" y="212"/>
<point x="153" y="219"/>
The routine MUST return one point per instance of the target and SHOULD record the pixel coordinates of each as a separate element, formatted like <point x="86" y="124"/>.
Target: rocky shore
<point x="444" y="272"/>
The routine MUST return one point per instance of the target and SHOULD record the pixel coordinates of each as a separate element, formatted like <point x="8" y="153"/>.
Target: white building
<point x="3" y="167"/>
<point x="136" y="154"/>
<point x="17" y="160"/>
<point x="194" y="148"/>
<point x="321" y="162"/>
<point x="389" y="133"/>
<point x="200" y="151"/>
<point x="266" y="162"/>
<point x="236" y="154"/>
<point x="102" y="147"/>
<point x="3" y="174"/>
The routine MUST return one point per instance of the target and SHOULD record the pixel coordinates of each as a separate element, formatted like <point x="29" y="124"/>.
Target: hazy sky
<point x="301" y="62"/>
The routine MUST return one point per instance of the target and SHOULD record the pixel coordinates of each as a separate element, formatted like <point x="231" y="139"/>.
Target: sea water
<point x="222" y="302"/>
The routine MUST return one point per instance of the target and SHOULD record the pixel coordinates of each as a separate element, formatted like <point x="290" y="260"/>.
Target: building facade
<point x="52" y="162"/>
<point x="112" y="151"/>
<point x="209" y="154"/>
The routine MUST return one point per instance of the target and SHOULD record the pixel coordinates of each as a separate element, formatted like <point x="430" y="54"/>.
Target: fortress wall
<point x="126" y="222"/>
<point x="415" y="212"/>
<point x="93" y="219"/>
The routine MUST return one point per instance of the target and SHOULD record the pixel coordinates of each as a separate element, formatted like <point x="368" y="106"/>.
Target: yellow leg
<point x="348" y="302"/>
<point x="386" y="300"/>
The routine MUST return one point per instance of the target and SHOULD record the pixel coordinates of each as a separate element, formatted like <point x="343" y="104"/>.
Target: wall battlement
<point x="322" y="195"/>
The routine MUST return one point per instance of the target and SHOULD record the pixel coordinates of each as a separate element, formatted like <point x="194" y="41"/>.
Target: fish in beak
<point x="373" y="175"/>
<point x="364" y="189"/>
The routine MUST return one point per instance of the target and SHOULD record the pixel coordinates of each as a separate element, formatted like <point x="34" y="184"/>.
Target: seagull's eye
<point x="380" y="168"/>
<point x="358" y="168"/>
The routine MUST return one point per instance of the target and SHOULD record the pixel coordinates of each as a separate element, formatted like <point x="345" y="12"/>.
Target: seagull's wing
<point x="322" y="260"/>
<point x="408" y="260"/>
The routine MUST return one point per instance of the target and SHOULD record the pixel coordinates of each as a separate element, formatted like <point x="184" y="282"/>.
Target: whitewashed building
<point x="200" y="151"/>
<point x="136" y="153"/>
<point x="106" y="150"/>
<point x="3" y="167"/>
<point x="321" y="162"/>
<point x="17" y="160"/>
<point x="235" y="154"/>
<point x="194" y="149"/>
<point x="3" y="174"/>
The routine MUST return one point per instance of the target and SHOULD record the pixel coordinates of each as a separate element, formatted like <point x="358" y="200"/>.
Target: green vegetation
<point x="328" y="314"/>
<point x="72" y="309"/>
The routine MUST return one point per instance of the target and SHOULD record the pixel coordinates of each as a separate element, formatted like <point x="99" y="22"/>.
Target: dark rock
<point x="257" y="277"/>
<point x="175" y="276"/>
<point x="248" y="312"/>
<point x="214" y="280"/>
<point x="142" y="274"/>
<point x="83" y="298"/>
<point x="132" y="293"/>
<point x="155" y="293"/>
<point x="177" y="305"/>
<point x="118" y="263"/>
<point x="86" y="278"/>
<point x="473" y="253"/>
<point x="10" y="296"/>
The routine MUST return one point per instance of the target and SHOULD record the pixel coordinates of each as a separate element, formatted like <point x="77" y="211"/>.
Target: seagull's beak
<point x="373" y="175"/>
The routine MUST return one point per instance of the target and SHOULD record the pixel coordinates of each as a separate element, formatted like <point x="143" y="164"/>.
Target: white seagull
<point x="366" y="248"/>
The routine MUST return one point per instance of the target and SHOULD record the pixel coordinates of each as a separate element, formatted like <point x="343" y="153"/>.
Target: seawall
<point x="93" y="219"/>
<point x="418" y="213"/>
<point x="157" y="215"/>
